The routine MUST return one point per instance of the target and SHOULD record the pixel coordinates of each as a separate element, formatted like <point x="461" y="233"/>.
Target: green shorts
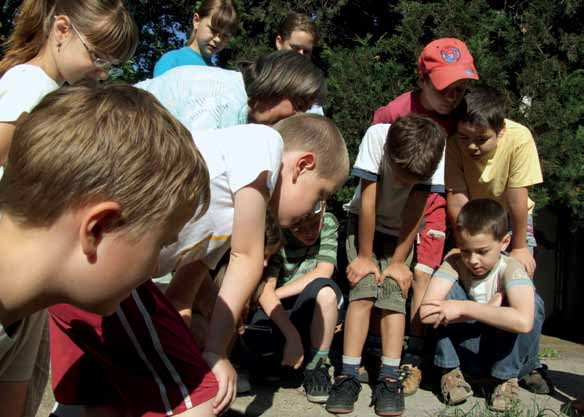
<point x="388" y="295"/>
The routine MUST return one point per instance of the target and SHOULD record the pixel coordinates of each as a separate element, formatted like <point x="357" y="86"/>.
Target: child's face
<point x="208" y="40"/>
<point x="443" y="101"/>
<point x="299" y="41"/>
<point x="478" y="141"/>
<point x="271" y="112"/>
<point x="76" y="59"/>
<point x="121" y="264"/>
<point x="403" y="177"/>
<point x="299" y="189"/>
<point x="481" y="252"/>
<point x="308" y="229"/>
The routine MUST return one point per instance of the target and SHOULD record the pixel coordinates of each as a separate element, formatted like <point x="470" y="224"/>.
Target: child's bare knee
<point x="327" y="297"/>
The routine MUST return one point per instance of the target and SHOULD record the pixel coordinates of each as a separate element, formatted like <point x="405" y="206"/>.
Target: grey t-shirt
<point x="19" y="344"/>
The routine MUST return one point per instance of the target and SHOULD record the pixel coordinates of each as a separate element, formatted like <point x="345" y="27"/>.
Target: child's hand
<point x="227" y="379"/>
<point x="185" y="311"/>
<point x="400" y="273"/>
<point x="525" y="258"/>
<point x="447" y="311"/>
<point x="497" y="299"/>
<point x="293" y="351"/>
<point x="359" y="268"/>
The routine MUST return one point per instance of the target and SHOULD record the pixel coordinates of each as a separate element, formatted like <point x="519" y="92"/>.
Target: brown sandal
<point x="455" y="389"/>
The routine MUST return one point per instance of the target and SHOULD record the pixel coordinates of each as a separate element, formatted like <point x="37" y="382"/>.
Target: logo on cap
<point x="450" y="55"/>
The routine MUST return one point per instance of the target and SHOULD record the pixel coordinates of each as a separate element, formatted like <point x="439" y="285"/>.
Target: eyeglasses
<point x="98" y="62"/>
<point x="316" y="213"/>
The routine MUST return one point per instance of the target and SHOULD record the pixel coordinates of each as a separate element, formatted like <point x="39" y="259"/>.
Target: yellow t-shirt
<point x="514" y="164"/>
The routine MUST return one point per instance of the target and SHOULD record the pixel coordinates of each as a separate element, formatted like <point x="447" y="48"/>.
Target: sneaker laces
<point x="392" y="386"/>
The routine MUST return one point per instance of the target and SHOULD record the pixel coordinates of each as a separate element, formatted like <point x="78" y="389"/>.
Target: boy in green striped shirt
<point x="301" y="301"/>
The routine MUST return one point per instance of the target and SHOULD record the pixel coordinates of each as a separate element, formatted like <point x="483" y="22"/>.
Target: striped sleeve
<point x="328" y="240"/>
<point x="515" y="274"/>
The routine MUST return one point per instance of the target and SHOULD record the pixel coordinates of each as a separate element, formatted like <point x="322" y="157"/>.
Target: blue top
<point x="177" y="58"/>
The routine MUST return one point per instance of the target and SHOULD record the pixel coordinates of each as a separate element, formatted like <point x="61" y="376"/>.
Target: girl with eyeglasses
<point x="57" y="41"/>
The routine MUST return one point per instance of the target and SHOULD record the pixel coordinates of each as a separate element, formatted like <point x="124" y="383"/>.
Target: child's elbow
<point x="524" y="325"/>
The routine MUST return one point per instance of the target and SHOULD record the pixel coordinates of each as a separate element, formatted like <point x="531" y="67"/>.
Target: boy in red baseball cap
<point x="445" y="67"/>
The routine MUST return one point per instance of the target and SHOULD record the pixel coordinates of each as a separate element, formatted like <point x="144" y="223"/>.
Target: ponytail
<point x="30" y="33"/>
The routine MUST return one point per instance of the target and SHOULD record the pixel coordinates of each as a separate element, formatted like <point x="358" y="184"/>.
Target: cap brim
<point x="442" y="77"/>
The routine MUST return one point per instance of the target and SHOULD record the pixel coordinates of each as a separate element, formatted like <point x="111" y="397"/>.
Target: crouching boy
<point x="302" y="300"/>
<point x="485" y="308"/>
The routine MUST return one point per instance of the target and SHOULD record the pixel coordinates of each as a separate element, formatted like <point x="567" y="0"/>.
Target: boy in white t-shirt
<point x="485" y="307"/>
<point x="384" y="217"/>
<point x="288" y="169"/>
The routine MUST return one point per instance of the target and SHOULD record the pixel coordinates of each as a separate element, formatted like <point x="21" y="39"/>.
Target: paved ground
<point x="567" y="372"/>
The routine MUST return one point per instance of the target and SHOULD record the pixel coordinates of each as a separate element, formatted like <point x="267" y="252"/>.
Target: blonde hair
<point x="317" y="134"/>
<point x="88" y="144"/>
<point x="106" y="24"/>
<point x="223" y="16"/>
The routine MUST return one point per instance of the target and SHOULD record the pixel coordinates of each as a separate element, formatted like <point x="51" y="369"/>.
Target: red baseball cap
<point x="446" y="61"/>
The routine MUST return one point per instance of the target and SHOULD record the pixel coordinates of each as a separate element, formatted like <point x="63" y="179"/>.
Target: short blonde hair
<point x="317" y="134"/>
<point x="85" y="144"/>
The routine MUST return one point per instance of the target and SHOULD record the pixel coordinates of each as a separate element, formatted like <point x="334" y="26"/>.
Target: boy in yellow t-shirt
<point x="494" y="157"/>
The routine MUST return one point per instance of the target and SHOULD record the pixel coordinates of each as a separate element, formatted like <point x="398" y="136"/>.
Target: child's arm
<point x="517" y="203"/>
<point x="437" y="290"/>
<point x="411" y="219"/>
<point x="322" y="270"/>
<point x="270" y="303"/>
<point x="184" y="286"/>
<point x="454" y="203"/>
<point x="6" y="133"/>
<point x="517" y="318"/>
<point x="241" y="278"/>
<point x="363" y="264"/>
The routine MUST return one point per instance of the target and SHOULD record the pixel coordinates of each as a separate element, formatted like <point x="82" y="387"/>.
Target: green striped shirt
<point x="295" y="259"/>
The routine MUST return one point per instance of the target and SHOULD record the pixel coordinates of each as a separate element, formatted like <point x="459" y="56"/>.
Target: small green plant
<point x="479" y="409"/>
<point x="549" y="353"/>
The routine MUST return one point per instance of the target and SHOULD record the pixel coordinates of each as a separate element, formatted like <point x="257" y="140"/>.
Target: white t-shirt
<point x="21" y="88"/>
<point x="235" y="156"/>
<point x="392" y="199"/>
<point x="507" y="273"/>
<point x="202" y="98"/>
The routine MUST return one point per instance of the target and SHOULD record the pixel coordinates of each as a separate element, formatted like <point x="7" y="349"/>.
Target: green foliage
<point x="532" y="50"/>
<point x="479" y="409"/>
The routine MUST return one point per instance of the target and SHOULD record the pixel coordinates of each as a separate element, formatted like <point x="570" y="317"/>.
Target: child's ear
<point x="279" y="42"/>
<point x="196" y="20"/>
<point x="304" y="162"/>
<point x="95" y="221"/>
<point x="61" y="28"/>
<point x="505" y="242"/>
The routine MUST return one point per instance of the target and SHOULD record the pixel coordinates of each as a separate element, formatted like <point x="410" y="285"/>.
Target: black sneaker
<point x="343" y="395"/>
<point x="317" y="383"/>
<point x="388" y="397"/>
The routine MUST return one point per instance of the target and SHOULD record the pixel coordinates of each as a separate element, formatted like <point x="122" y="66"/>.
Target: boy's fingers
<point x="220" y="395"/>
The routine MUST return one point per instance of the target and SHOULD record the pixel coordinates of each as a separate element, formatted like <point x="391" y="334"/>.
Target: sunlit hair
<point x="319" y="135"/>
<point x="297" y="21"/>
<point x="223" y="16"/>
<point x="105" y="24"/>
<point x="484" y="107"/>
<point x="284" y="75"/>
<point x="483" y="215"/>
<point x="415" y="144"/>
<point x="88" y="144"/>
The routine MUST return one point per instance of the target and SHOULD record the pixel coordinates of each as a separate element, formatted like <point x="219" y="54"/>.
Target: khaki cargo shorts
<point x="388" y="295"/>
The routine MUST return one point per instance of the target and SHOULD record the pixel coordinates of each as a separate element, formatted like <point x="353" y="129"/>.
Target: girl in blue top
<point x="214" y="23"/>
